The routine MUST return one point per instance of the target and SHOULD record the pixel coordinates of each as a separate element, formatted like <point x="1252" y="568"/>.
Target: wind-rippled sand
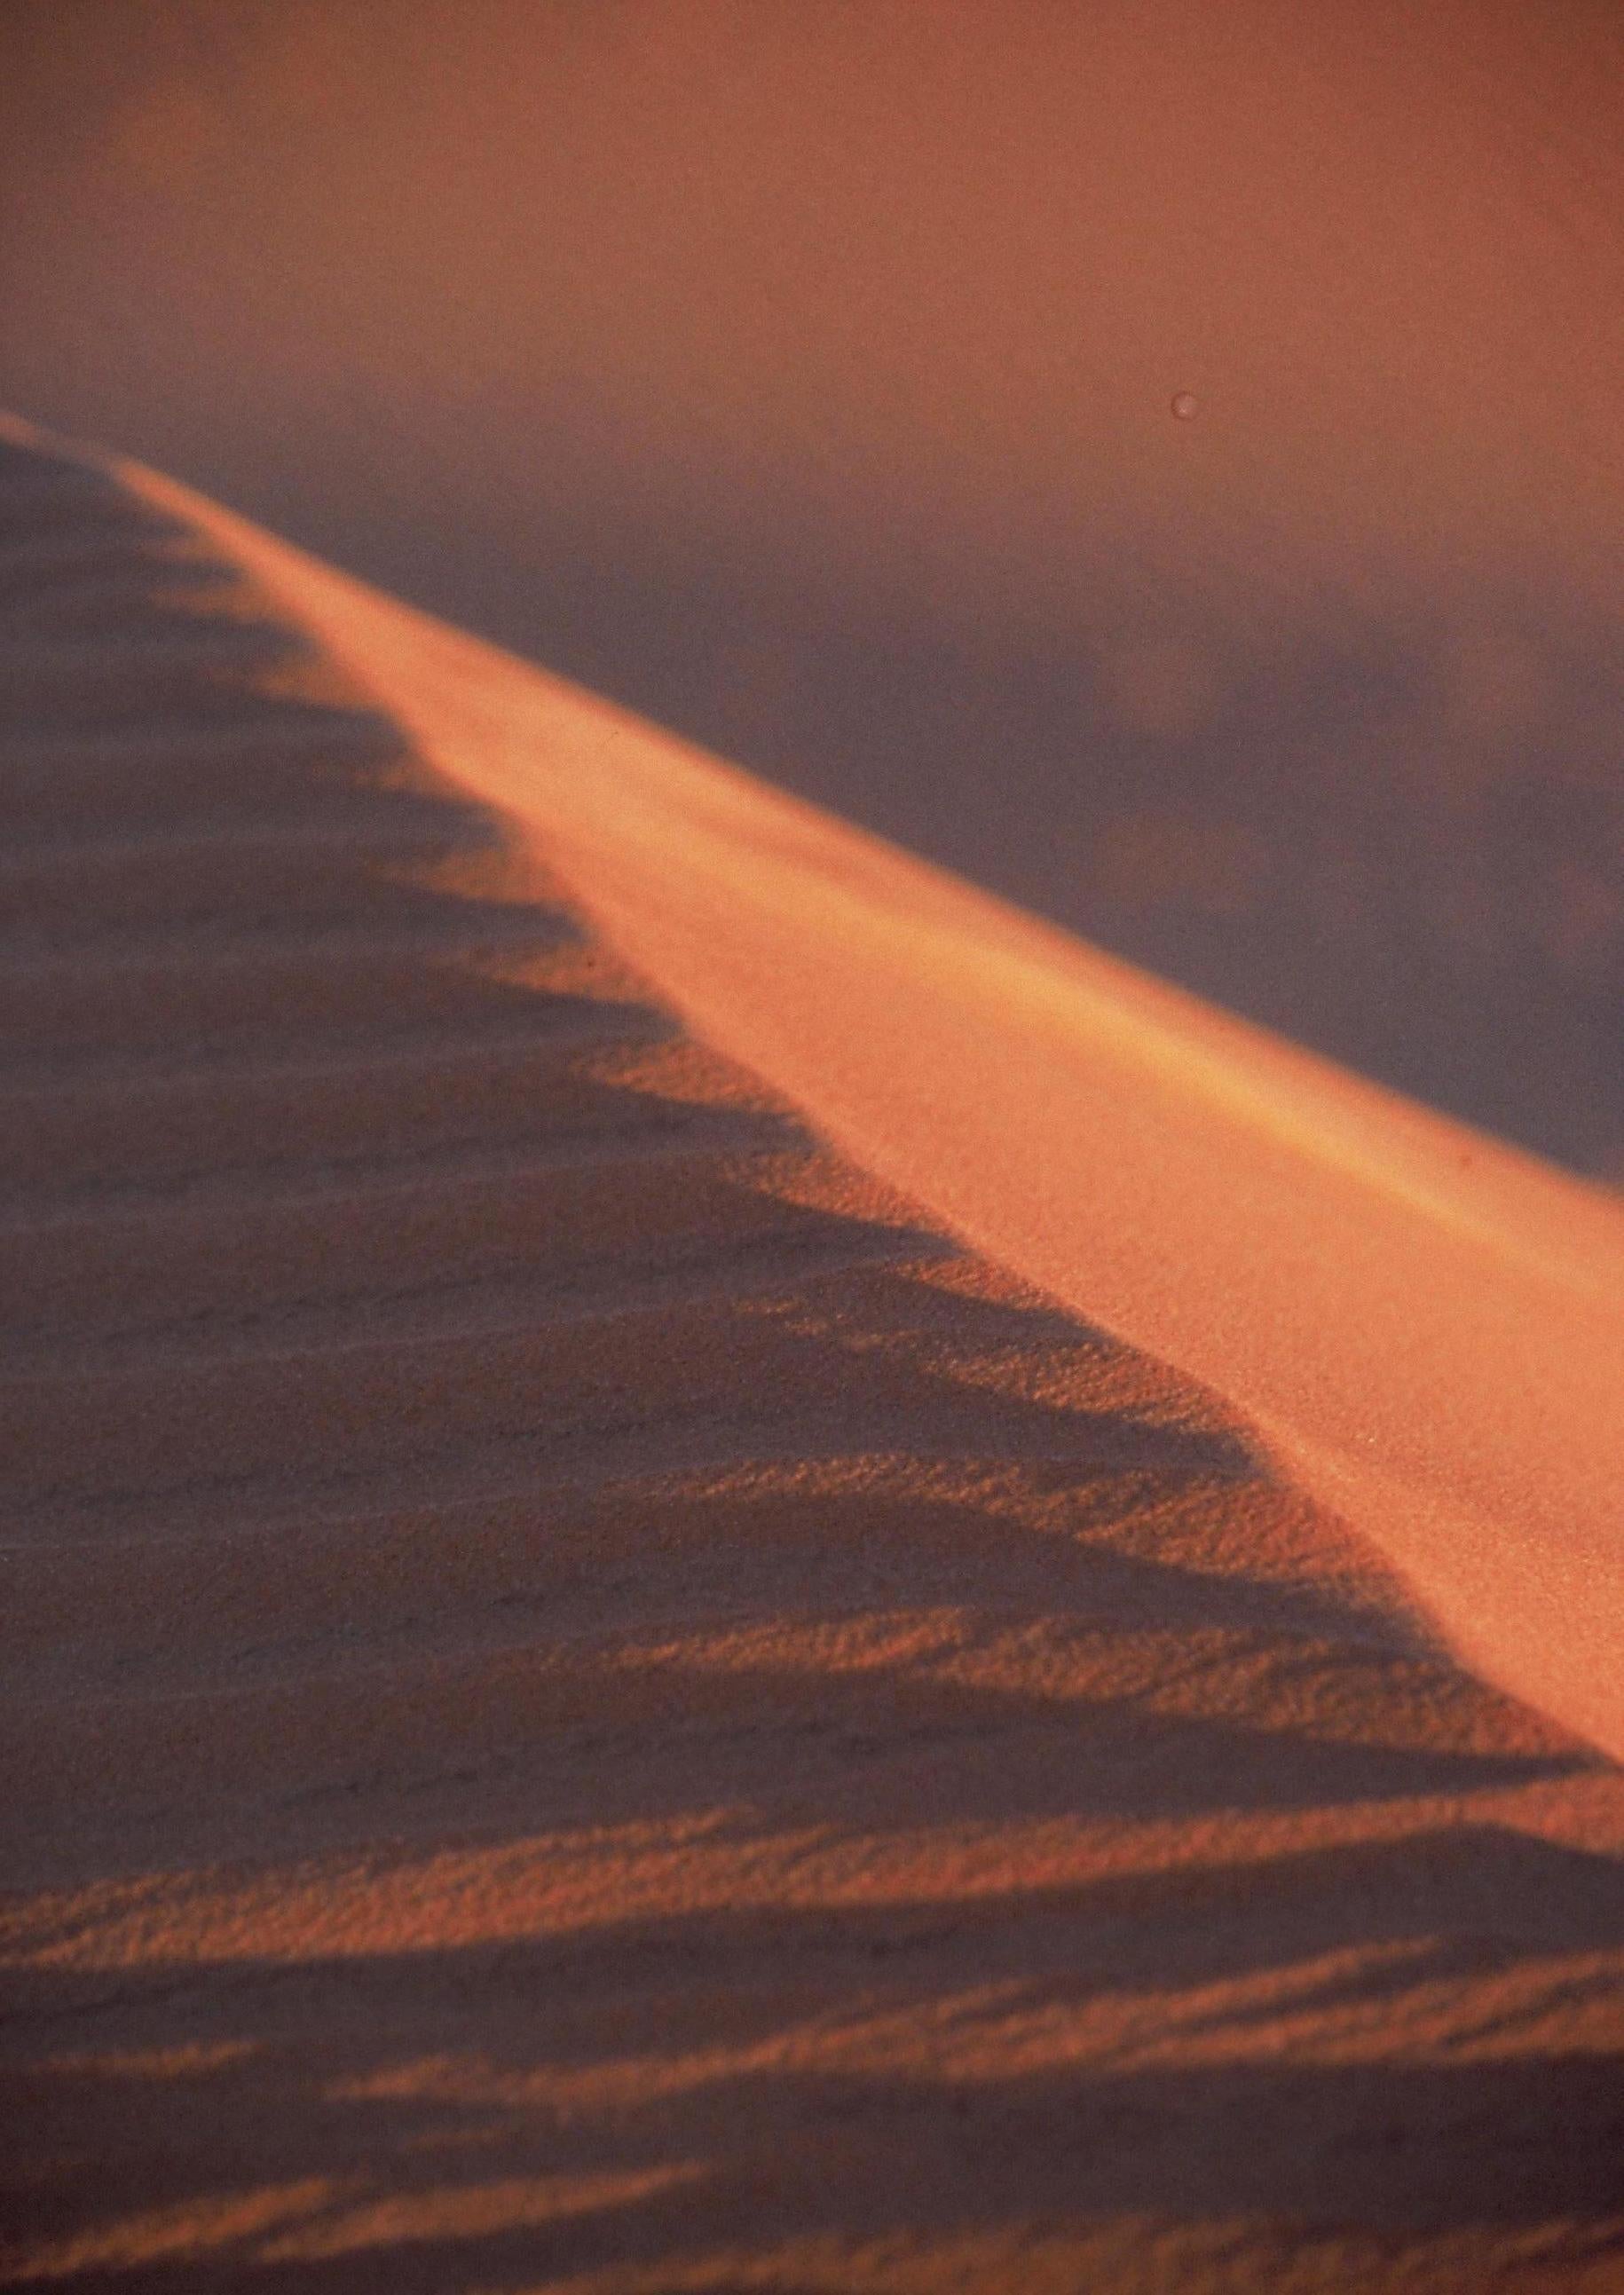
<point x="592" y="1701"/>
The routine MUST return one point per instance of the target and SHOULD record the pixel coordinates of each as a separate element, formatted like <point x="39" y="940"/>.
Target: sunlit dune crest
<point x="725" y="1568"/>
<point x="1427" y="1327"/>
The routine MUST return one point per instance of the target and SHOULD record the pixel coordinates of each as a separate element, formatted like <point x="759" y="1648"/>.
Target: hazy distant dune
<point x="803" y="377"/>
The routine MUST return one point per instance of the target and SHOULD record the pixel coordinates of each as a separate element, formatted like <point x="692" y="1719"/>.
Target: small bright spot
<point x="1184" y="405"/>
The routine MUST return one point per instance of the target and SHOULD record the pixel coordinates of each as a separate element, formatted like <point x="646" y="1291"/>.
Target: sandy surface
<point x="723" y="1570"/>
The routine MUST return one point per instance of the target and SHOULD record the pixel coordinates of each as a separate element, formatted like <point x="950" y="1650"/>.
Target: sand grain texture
<point x="595" y="1698"/>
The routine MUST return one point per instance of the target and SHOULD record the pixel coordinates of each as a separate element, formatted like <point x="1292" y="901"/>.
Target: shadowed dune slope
<point x="595" y="1698"/>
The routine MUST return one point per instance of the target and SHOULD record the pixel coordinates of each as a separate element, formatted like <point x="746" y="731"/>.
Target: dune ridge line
<point x="1428" y="1325"/>
<point x="603" y="1688"/>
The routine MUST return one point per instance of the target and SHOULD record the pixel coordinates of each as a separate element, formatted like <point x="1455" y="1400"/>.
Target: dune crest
<point x="1427" y="1325"/>
<point x="666" y="1612"/>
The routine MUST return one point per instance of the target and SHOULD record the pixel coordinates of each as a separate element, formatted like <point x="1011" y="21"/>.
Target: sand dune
<point x="721" y="1568"/>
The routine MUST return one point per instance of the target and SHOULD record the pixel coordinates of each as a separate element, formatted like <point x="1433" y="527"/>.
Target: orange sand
<point x="722" y="1568"/>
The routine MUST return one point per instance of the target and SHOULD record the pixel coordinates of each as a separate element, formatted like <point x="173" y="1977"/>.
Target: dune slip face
<point x="721" y="1571"/>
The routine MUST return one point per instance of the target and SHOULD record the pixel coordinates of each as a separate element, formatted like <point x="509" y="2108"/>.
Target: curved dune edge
<point x="588" y="1697"/>
<point x="1426" y="1325"/>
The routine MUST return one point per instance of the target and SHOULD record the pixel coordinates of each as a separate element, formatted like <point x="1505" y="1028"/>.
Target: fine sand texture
<point x="723" y="1570"/>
